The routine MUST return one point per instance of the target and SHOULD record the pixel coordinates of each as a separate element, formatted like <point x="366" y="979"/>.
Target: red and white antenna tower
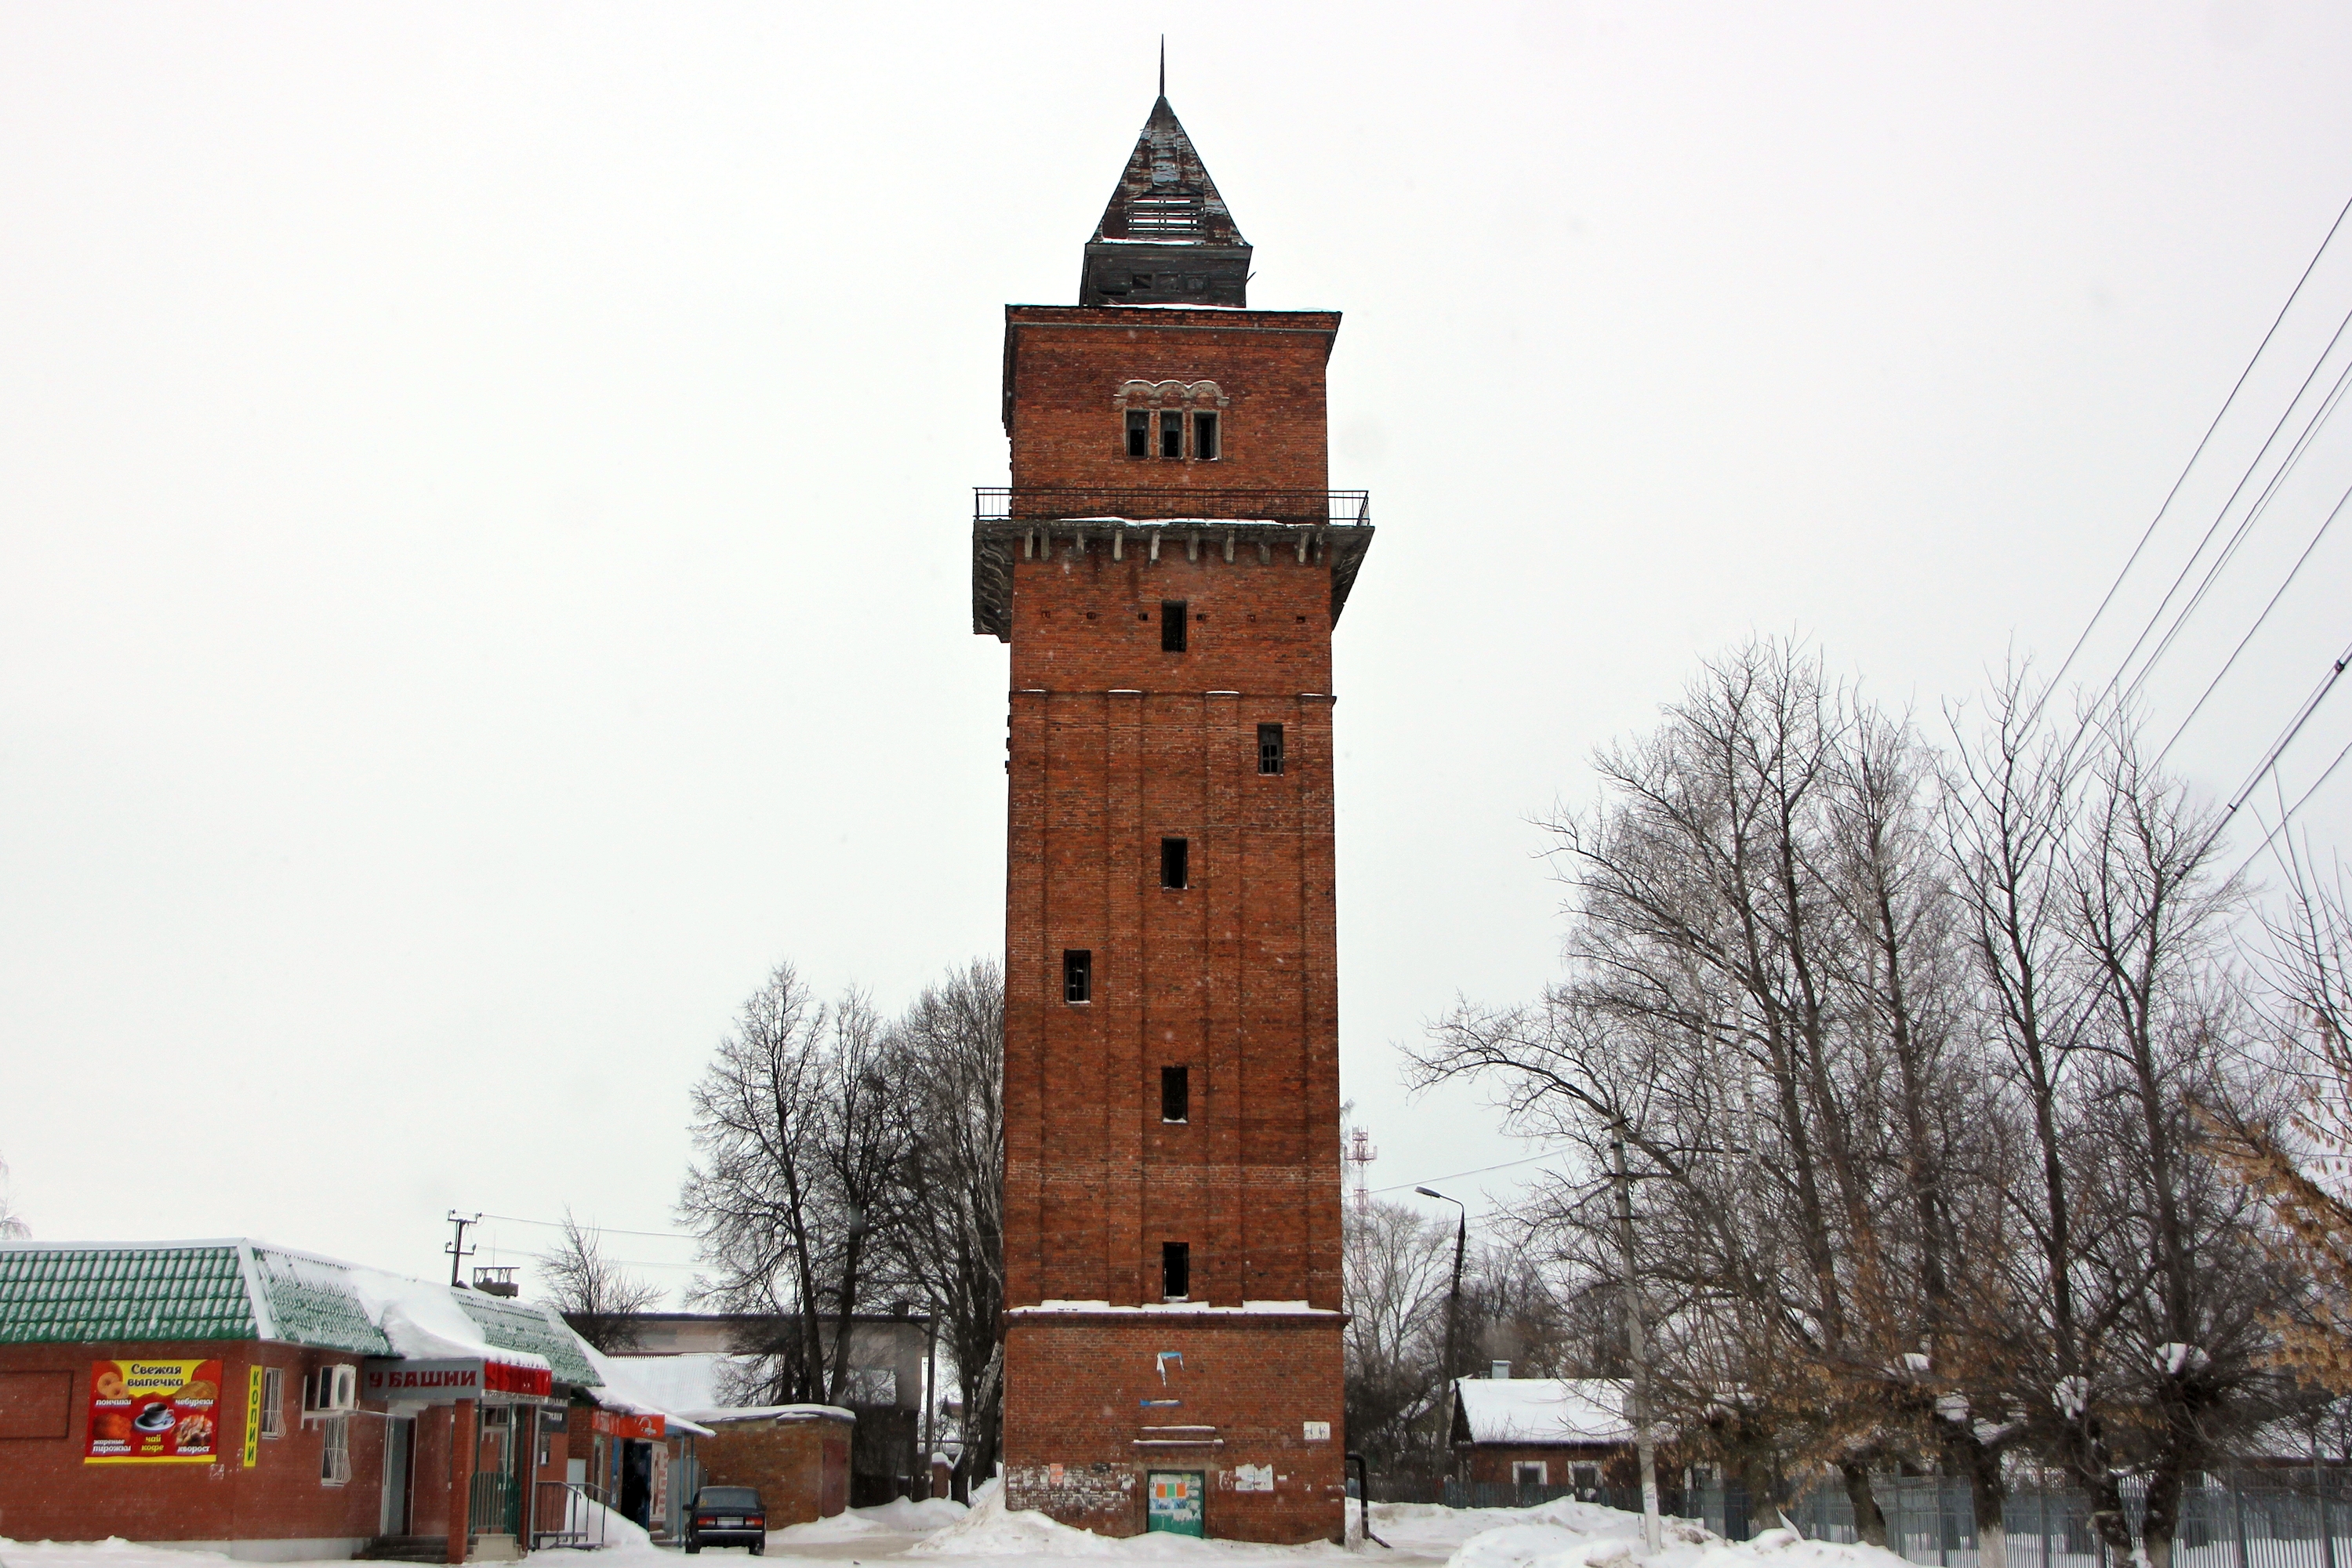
<point x="1360" y="1155"/>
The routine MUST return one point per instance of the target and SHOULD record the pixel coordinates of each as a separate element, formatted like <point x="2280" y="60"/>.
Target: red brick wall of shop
<point x="48" y="1492"/>
<point x="1074" y="1387"/>
<point x="1063" y="367"/>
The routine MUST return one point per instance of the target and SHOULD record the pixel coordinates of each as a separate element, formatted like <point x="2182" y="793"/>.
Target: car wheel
<point x="758" y="1547"/>
<point x="692" y="1546"/>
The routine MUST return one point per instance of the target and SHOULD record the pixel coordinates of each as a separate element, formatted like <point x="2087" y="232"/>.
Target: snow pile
<point x="916" y="1516"/>
<point x="1553" y="1537"/>
<point x="988" y="1529"/>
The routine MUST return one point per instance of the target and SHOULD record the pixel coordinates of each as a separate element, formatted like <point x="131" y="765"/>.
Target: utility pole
<point x="1453" y="1303"/>
<point x="458" y="1249"/>
<point x="1643" y="1444"/>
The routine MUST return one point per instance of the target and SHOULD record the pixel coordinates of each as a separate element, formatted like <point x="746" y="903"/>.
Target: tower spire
<point x="1167" y="237"/>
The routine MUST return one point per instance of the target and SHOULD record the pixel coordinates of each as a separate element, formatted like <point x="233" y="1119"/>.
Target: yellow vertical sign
<point x="252" y="1416"/>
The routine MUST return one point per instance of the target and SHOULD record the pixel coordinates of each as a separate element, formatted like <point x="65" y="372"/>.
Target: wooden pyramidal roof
<point x="1165" y="195"/>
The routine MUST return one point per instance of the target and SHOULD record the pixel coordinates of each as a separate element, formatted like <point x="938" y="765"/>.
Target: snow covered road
<point x="942" y="1534"/>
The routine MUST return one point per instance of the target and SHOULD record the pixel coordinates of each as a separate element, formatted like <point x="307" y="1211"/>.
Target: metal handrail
<point x="583" y="1524"/>
<point x="1046" y="503"/>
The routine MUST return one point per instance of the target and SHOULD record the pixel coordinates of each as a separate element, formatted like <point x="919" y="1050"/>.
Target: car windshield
<point x="727" y="1497"/>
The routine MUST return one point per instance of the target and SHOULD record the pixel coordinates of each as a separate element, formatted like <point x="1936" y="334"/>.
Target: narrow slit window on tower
<point x="1204" y="437"/>
<point x="1175" y="862"/>
<point x="1175" y="1094"/>
<point x="1077" y="974"/>
<point x="1175" y="1270"/>
<point x="1269" y="748"/>
<point x="1139" y="433"/>
<point x="1171" y="625"/>
<point x="1172" y="434"/>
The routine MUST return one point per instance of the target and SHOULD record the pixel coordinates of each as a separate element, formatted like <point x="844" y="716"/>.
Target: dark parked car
<point x="727" y="1516"/>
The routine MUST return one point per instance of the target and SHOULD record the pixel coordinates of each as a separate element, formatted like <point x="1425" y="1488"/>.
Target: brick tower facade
<point x="1167" y="566"/>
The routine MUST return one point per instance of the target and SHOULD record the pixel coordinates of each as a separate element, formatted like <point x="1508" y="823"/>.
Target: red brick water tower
<point x="1168" y="564"/>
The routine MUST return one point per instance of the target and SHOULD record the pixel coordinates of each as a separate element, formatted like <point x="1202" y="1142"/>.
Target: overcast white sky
<point x="484" y="523"/>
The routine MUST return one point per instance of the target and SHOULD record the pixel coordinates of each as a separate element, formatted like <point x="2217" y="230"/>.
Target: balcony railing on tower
<point x="1057" y="503"/>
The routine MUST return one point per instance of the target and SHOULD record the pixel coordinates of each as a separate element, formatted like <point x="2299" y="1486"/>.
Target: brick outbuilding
<point x="1545" y="1432"/>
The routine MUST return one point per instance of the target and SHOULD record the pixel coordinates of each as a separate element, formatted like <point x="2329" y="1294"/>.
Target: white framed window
<point x="335" y="1453"/>
<point x="273" y="1401"/>
<point x="1530" y="1473"/>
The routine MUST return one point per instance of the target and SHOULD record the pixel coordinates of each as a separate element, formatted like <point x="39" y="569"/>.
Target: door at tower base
<point x="1173" y="1502"/>
<point x="1148" y="1419"/>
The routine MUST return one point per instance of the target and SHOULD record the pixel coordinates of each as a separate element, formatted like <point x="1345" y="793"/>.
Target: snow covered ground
<point x="942" y="1534"/>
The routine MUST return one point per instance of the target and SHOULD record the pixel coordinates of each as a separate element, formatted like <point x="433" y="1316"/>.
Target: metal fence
<point x="2230" y="1522"/>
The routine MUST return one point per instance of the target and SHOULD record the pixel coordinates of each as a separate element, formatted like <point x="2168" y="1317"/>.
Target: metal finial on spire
<point x="1164" y="64"/>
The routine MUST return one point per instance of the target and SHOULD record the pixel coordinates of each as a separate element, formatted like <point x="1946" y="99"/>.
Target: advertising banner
<point x="253" y="1386"/>
<point x="645" y="1428"/>
<point x="145" y="1412"/>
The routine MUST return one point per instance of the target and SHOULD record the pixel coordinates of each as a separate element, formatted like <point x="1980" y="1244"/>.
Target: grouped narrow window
<point x="1269" y="748"/>
<point x="1175" y="862"/>
<point x="1172" y="626"/>
<point x="1077" y="974"/>
<point x="1175" y="1270"/>
<point x="1178" y="420"/>
<point x="1175" y="1094"/>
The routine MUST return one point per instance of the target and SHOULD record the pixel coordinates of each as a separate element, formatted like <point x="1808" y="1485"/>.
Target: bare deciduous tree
<point x="948" y="1227"/>
<point x="595" y="1296"/>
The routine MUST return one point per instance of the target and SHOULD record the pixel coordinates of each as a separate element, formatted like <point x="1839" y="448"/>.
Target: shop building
<point x="274" y="1404"/>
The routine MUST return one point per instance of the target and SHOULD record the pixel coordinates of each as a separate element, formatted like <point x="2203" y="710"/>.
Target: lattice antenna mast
<point x="1360" y="1155"/>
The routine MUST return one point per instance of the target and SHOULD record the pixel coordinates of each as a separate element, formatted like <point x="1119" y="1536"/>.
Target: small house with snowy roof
<point x="275" y="1405"/>
<point x="1548" y="1432"/>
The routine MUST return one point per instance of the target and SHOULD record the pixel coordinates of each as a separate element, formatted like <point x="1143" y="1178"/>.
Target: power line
<point x="2232" y="659"/>
<point x="2202" y="443"/>
<point x="2253" y="515"/>
<point x="2091" y="713"/>
<point x="2278" y="747"/>
<point x="598" y="1229"/>
<point x="2288" y="816"/>
<point x="1457" y="1175"/>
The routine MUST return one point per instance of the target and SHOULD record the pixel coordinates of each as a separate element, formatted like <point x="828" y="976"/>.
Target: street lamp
<point x="1453" y="1298"/>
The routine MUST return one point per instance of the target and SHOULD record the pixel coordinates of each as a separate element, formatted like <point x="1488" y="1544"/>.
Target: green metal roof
<point x="310" y="1306"/>
<point x="81" y="1295"/>
<point x="201" y="1290"/>
<point x="511" y="1326"/>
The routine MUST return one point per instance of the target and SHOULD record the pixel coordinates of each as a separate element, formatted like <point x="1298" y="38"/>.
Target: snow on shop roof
<point x="1545" y="1409"/>
<point x="686" y="1381"/>
<point x="70" y="1292"/>
<point x="776" y="1413"/>
<point x="618" y="1388"/>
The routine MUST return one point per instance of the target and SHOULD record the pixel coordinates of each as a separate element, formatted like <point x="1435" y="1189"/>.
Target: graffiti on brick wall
<point x="1064" y="1490"/>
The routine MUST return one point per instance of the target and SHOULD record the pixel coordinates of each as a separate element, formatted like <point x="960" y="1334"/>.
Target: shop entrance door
<point x="638" y="1482"/>
<point x="399" y="1474"/>
<point x="1174" y="1503"/>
